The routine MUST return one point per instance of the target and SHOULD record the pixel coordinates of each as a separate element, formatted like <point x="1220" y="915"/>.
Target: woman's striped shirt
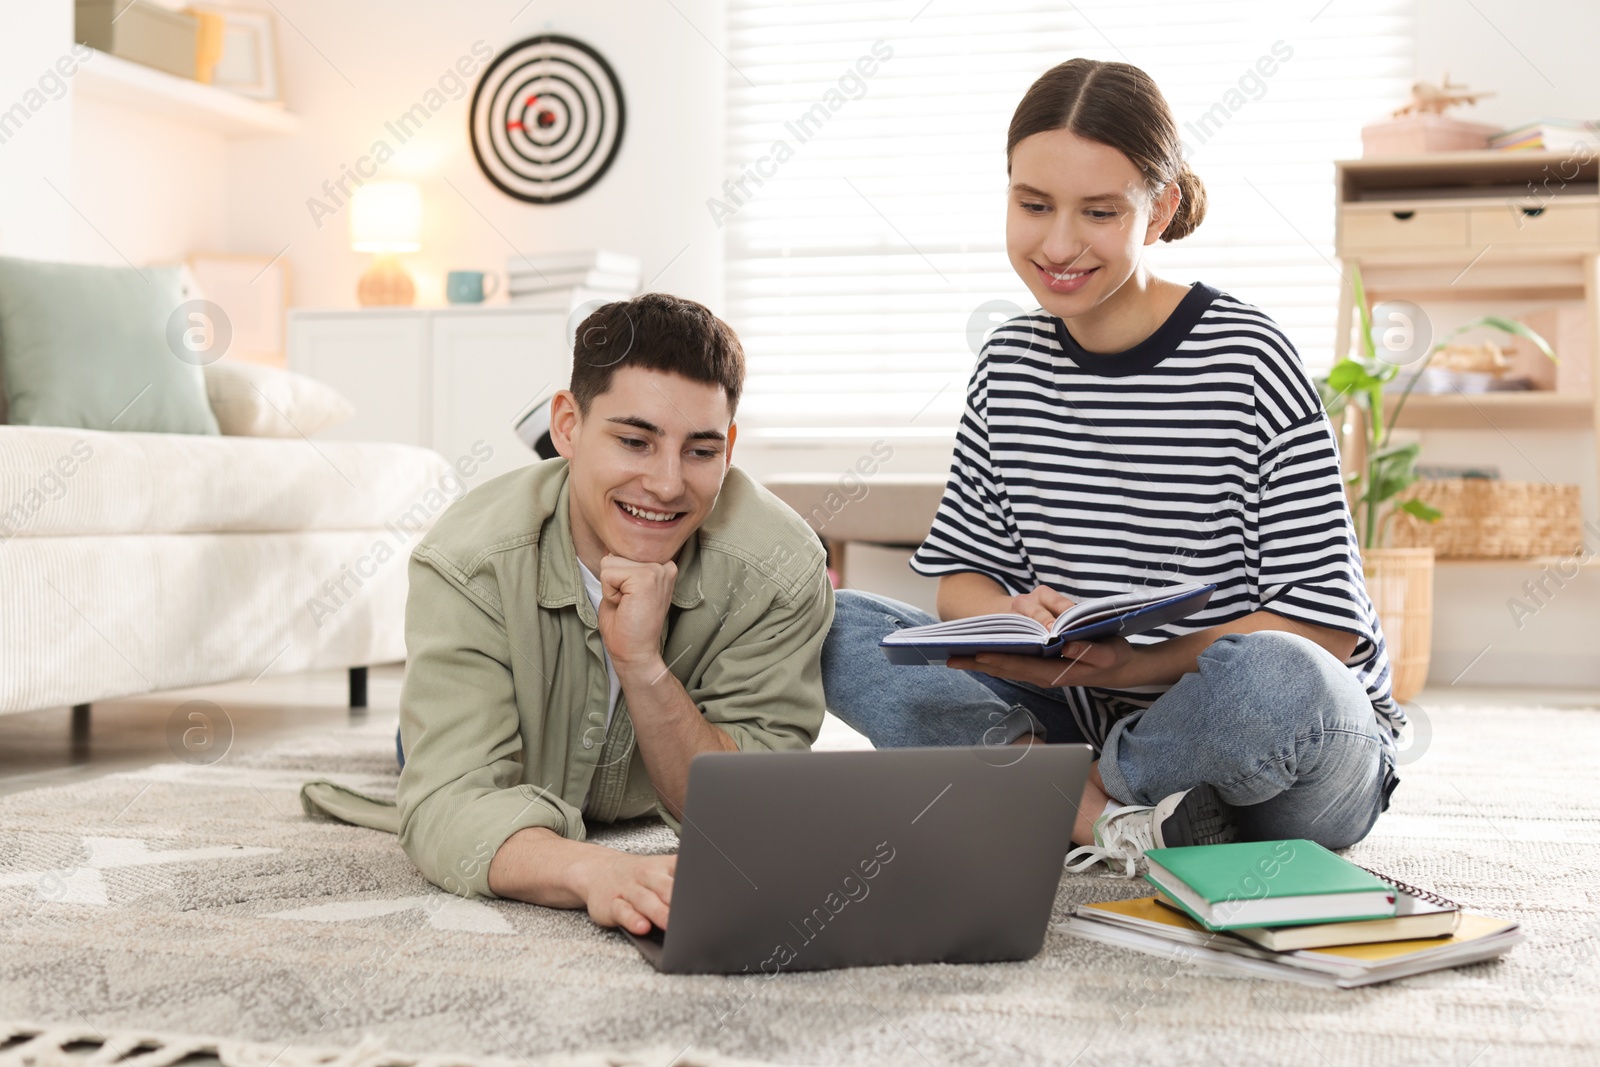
<point x="1202" y="454"/>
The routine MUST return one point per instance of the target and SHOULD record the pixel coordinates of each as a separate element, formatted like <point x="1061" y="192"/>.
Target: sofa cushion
<point x="252" y="400"/>
<point x="60" y="482"/>
<point x="88" y="346"/>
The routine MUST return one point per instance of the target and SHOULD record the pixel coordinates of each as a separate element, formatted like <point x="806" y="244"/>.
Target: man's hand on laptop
<point x="632" y="892"/>
<point x="618" y="889"/>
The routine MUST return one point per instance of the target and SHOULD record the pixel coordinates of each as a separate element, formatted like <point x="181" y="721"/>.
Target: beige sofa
<point x="138" y="562"/>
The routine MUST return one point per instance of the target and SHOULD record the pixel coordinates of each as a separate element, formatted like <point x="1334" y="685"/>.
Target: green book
<point x="1267" y="883"/>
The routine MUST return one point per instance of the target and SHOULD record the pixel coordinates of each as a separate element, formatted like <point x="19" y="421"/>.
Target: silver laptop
<point x="794" y="861"/>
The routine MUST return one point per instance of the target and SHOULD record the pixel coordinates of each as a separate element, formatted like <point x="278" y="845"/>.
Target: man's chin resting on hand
<point x="580" y="629"/>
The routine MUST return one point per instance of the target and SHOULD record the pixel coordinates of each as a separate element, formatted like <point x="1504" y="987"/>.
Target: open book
<point x="1119" y="615"/>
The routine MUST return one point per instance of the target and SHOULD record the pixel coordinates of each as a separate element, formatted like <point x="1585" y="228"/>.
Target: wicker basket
<point x="1400" y="583"/>
<point x="1486" y="518"/>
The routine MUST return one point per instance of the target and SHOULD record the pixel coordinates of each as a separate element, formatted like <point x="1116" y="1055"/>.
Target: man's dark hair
<point x="657" y="332"/>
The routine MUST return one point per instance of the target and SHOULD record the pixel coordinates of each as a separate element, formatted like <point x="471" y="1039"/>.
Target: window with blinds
<point x="864" y="209"/>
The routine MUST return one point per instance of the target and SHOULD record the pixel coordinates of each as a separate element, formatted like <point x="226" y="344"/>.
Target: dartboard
<point x="546" y="119"/>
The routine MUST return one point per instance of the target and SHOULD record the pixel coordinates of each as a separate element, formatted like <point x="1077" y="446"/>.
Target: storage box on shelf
<point x="1484" y="518"/>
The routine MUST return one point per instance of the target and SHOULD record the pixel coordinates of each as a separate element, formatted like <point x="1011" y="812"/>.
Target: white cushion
<point x="252" y="400"/>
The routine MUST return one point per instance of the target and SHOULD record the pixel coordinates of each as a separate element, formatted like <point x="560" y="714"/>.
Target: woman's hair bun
<point x="1191" y="205"/>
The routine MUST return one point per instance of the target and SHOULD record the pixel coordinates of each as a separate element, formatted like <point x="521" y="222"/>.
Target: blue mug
<point x="466" y="286"/>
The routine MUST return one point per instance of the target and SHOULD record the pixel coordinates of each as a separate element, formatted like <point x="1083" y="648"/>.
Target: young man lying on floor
<point x="578" y="630"/>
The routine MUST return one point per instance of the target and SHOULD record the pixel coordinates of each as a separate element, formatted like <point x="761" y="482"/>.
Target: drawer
<point x="1367" y="229"/>
<point x="1553" y="224"/>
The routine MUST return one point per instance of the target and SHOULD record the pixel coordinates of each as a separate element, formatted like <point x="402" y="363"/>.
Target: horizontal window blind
<point x="864" y="211"/>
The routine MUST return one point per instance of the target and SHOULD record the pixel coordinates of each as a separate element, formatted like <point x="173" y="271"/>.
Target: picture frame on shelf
<point x="249" y="61"/>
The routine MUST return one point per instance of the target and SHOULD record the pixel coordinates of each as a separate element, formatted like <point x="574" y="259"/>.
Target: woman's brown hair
<point x="1116" y="104"/>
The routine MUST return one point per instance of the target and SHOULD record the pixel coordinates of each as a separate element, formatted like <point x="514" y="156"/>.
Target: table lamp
<point x="386" y="219"/>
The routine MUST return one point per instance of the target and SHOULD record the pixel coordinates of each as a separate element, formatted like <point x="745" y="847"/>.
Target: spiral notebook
<point x="1418" y="913"/>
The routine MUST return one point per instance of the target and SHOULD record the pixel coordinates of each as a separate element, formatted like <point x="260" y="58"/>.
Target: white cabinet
<point x="445" y="378"/>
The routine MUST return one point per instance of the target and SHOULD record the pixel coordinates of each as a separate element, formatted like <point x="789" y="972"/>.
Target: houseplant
<point x="1399" y="580"/>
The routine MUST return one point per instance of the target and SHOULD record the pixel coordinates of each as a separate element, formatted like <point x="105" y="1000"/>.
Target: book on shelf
<point x="1090" y="620"/>
<point x="580" y="260"/>
<point x="1268" y="883"/>
<point x="1418" y="914"/>
<point x="1145" y="925"/>
<point x="563" y="299"/>
<point x="523" y="282"/>
<point x="1549" y="135"/>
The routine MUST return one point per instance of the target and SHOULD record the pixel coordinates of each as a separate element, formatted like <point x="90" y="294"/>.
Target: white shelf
<point x="107" y="77"/>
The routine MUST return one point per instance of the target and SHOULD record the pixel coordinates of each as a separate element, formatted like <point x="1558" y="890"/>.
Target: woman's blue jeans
<point x="1281" y="729"/>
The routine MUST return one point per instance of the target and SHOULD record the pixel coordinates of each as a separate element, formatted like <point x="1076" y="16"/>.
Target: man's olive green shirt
<point x="503" y="713"/>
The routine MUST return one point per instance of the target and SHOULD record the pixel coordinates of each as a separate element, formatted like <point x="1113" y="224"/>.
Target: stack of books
<point x="1292" y="910"/>
<point x="1549" y="135"/>
<point x="568" y="279"/>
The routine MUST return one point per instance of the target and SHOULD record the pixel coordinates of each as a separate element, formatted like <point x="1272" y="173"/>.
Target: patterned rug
<point x="199" y="900"/>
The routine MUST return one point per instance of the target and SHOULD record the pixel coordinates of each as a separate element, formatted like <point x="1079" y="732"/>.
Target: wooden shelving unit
<point x="107" y="77"/>
<point x="1488" y="411"/>
<point x="1477" y="228"/>
<point x="1530" y="562"/>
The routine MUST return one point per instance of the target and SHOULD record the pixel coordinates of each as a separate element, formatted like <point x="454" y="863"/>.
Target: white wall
<point x="355" y="65"/>
<point x="34" y="220"/>
<point x="150" y="189"/>
<point x="128" y="187"/>
<point x="1537" y="59"/>
<point x="147" y="189"/>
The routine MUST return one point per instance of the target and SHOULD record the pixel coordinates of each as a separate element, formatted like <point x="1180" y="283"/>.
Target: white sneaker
<point x="1193" y="817"/>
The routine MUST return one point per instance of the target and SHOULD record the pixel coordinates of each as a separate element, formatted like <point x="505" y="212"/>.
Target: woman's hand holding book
<point x="1046" y="638"/>
<point x="1110" y="663"/>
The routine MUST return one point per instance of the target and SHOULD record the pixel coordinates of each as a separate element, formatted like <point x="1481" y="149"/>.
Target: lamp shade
<point x="386" y="217"/>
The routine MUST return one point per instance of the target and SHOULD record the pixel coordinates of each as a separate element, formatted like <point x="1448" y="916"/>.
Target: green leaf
<point x="1368" y="345"/>
<point x="1422" y="510"/>
<point x="1413" y="449"/>
<point x="1389" y="471"/>
<point x="1385" y="488"/>
<point x="1377" y="433"/>
<point x="1350" y="376"/>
